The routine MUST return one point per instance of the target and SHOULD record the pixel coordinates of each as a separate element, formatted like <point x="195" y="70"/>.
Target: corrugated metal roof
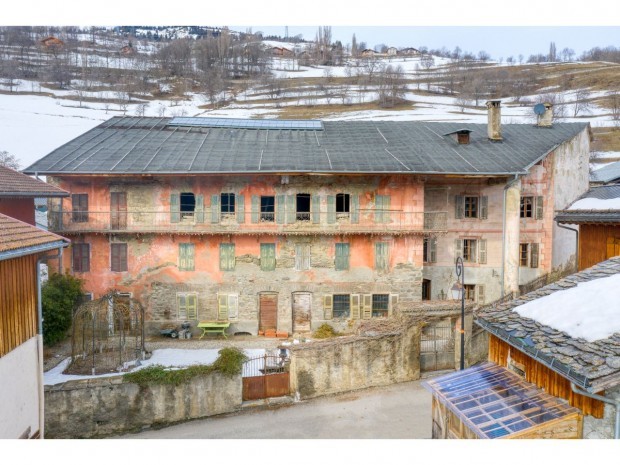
<point x="569" y="216"/>
<point x="16" y="184"/>
<point x="133" y="145"/>
<point x="607" y="174"/>
<point x="16" y="235"/>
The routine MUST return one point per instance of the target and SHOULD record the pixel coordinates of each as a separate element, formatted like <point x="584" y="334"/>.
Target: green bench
<point x="215" y="327"/>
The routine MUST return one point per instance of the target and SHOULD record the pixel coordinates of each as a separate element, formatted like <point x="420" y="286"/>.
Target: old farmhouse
<point x="285" y="225"/>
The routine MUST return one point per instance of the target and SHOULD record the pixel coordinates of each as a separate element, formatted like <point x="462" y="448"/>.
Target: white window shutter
<point x="328" y="306"/>
<point x="367" y="306"/>
<point x="393" y="303"/>
<point x="233" y="306"/>
<point x="355" y="306"/>
<point x="222" y="307"/>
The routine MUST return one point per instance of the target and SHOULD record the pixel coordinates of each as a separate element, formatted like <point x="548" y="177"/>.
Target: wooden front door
<point x="302" y="302"/>
<point x="268" y="314"/>
<point x="118" y="210"/>
<point x="613" y="246"/>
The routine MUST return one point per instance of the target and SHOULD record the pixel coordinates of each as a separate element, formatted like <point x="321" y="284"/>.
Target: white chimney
<point x="546" y="119"/>
<point x="494" y="128"/>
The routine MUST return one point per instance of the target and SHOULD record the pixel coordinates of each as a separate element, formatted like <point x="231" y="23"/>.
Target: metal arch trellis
<point x="108" y="335"/>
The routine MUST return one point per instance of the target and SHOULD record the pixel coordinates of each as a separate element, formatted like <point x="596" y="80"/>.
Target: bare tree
<point x="581" y="103"/>
<point x="427" y="62"/>
<point x="614" y="105"/>
<point x="141" y="108"/>
<point x="9" y="160"/>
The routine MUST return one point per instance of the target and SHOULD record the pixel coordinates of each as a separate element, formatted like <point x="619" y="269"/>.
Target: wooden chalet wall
<point x="593" y="244"/>
<point x="18" y="306"/>
<point x="543" y="377"/>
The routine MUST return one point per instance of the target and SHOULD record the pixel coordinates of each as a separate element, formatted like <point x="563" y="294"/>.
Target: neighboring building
<point x="281" y="52"/>
<point x="291" y="224"/>
<point x="22" y="246"/>
<point x="597" y="213"/>
<point x="609" y="174"/>
<point x="565" y="339"/>
<point x="392" y="51"/>
<point x="52" y="42"/>
<point x="127" y="50"/>
<point x="18" y="191"/>
<point x="409" y="51"/>
<point x="368" y="52"/>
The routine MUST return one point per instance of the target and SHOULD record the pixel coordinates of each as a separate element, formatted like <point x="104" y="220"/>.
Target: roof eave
<point x="13" y="195"/>
<point x="33" y="249"/>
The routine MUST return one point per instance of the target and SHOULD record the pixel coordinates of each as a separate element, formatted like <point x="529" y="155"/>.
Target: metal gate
<point x="265" y="376"/>
<point x="437" y="346"/>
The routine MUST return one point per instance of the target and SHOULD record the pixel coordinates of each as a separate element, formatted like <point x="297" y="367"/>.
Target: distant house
<point x="392" y="51"/>
<point x="52" y="42"/>
<point x="127" y="50"/>
<point x="409" y="51"/>
<point x="281" y="52"/>
<point x="21" y="342"/>
<point x="368" y="52"/>
<point x="597" y="213"/>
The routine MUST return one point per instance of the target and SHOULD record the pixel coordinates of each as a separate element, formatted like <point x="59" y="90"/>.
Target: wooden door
<point x="268" y="314"/>
<point x="613" y="246"/>
<point x="118" y="210"/>
<point x="301" y="311"/>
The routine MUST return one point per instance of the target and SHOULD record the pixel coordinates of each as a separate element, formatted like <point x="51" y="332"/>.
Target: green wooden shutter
<point x="227" y="257"/>
<point x="367" y="306"/>
<point x="316" y="209"/>
<point x="539" y="207"/>
<point x="328" y="306"/>
<point x="233" y="306"/>
<point x="268" y="257"/>
<point x="280" y="208"/>
<point x="182" y="257"/>
<point x="484" y="207"/>
<point x="355" y="306"/>
<point x="175" y="208"/>
<point x="191" y="306"/>
<point x="482" y="251"/>
<point x="534" y="255"/>
<point x="331" y="209"/>
<point x="458" y="206"/>
<point x="255" y="209"/>
<point x="215" y="208"/>
<point x="200" y="208"/>
<point x="240" y="206"/>
<point x="458" y="248"/>
<point x="387" y="214"/>
<point x="186" y="257"/>
<point x="291" y="209"/>
<point x="222" y="307"/>
<point x="342" y="256"/>
<point x="381" y="256"/>
<point x="355" y="209"/>
<point x="432" y="255"/>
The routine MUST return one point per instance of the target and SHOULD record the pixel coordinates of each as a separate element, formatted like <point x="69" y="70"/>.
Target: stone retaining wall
<point x="107" y="406"/>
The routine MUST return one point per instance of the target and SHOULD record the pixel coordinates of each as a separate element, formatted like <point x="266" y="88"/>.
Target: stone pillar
<point x="512" y="238"/>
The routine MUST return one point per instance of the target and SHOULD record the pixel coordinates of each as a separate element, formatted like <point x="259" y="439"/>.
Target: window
<point x="470" y="292"/>
<point x="79" y="203"/>
<point x="227" y="257"/>
<point x="186" y="257"/>
<point x="227" y="204"/>
<point x="267" y="208"/>
<point x="227" y="307"/>
<point x="523" y="254"/>
<point x="527" y="206"/>
<point x="81" y="257"/>
<point x="468" y="206"/>
<point x="382" y="208"/>
<point x="380" y="305"/>
<point x="342" y="256"/>
<point x="469" y="250"/>
<point x="302" y="257"/>
<point x="86" y="297"/>
<point x="118" y="257"/>
<point x="342" y="306"/>
<point x="303" y="207"/>
<point x="528" y="255"/>
<point x="343" y="205"/>
<point x="267" y="257"/>
<point x="186" y="306"/>
<point x="430" y="250"/>
<point x="188" y="205"/>
<point x="381" y="256"/>
<point x="471" y="207"/>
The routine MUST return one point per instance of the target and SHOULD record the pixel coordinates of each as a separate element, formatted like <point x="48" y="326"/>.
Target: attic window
<point x="461" y="136"/>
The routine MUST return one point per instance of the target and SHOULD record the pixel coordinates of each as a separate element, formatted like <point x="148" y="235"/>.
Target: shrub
<point x="325" y="331"/>
<point x="59" y="296"/>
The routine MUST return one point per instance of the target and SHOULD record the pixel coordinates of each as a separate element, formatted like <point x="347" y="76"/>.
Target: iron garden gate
<point x="265" y="376"/>
<point x="437" y="346"/>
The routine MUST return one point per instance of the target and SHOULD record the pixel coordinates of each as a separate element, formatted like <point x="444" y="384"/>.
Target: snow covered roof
<point x="572" y="326"/>
<point x="134" y="145"/>
<point x="598" y="205"/>
<point x="608" y="173"/>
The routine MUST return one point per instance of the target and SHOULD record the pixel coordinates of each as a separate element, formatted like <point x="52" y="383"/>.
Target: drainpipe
<point x="607" y="400"/>
<point x="506" y="187"/>
<point x="576" y="231"/>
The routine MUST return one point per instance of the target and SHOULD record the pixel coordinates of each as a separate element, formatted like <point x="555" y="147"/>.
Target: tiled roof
<point x="134" y="145"/>
<point x="16" y="184"/>
<point x="592" y="365"/>
<point x="17" y="236"/>
<point x="578" y="216"/>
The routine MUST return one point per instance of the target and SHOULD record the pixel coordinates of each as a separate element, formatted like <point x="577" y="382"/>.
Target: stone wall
<point x="356" y="362"/>
<point x="603" y="428"/>
<point x="107" y="406"/>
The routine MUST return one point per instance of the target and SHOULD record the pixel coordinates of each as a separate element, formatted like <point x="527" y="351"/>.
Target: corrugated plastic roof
<point x="16" y="184"/>
<point x="133" y="145"/>
<point x="16" y="235"/>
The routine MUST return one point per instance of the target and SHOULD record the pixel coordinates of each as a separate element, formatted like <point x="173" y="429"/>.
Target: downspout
<point x="607" y="400"/>
<point x="576" y="231"/>
<point x="506" y="187"/>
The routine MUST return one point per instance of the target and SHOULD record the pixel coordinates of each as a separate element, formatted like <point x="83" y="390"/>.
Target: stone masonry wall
<point x="595" y="428"/>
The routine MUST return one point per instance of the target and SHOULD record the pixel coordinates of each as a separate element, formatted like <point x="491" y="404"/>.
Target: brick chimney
<point x="494" y="128"/>
<point x="546" y="119"/>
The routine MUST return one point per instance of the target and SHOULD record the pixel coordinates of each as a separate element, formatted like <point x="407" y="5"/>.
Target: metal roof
<point x="592" y="216"/>
<point x="134" y="145"/>
<point x="606" y="174"/>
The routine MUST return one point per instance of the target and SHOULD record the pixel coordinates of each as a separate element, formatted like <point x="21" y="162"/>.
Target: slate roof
<point x="606" y="174"/>
<point x="19" y="238"/>
<point x="592" y="365"/>
<point x="16" y="184"/>
<point x="134" y="145"/>
<point x="569" y="216"/>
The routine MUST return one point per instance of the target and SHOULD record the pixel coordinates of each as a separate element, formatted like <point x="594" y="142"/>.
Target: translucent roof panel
<point x="238" y="123"/>
<point x="494" y="402"/>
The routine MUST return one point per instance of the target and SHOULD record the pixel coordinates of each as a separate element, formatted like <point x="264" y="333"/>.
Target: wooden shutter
<point x="328" y="306"/>
<point x="227" y="257"/>
<point x="458" y="206"/>
<point x="355" y="209"/>
<point x="382" y="205"/>
<point x="291" y="209"/>
<point x="233" y="306"/>
<point x="331" y="209"/>
<point x="215" y="208"/>
<point x="342" y="256"/>
<point x="280" y="208"/>
<point x="355" y="306"/>
<point x="393" y="303"/>
<point x="482" y="251"/>
<point x="484" y="207"/>
<point x="200" y="208"/>
<point x="191" y="306"/>
<point x="381" y="256"/>
<point x="240" y="207"/>
<point x="222" y="307"/>
<point x="186" y="257"/>
<point x="539" y="207"/>
<point x="255" y="217"/>
<point x="316" y="209"/>
<point x="175" y="208"/>
<point x="387" y="215"/>
<point x="118" y="259"/>
<point x="367" y="306"/>
<point x="534" y="255"/>
<point x="432" y="253"/>
<point x="481" y="293"/>
<point x="458" y="248"/>
<point x="181" y="306"/>
<point x="268" y="257"/>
